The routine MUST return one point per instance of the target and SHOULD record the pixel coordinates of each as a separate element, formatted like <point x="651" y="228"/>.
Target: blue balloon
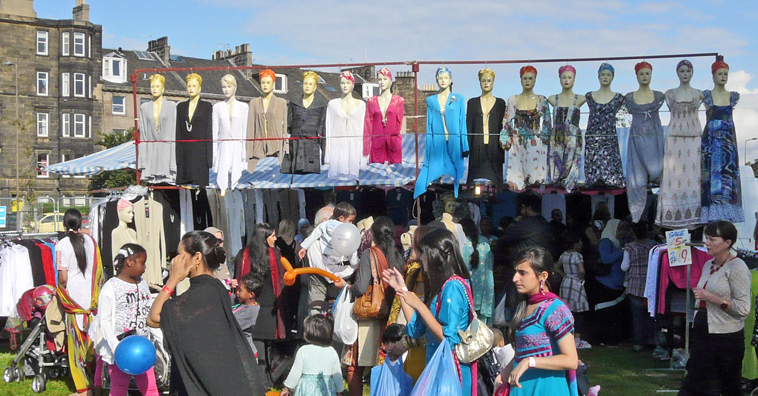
<point x="135" y="355"/>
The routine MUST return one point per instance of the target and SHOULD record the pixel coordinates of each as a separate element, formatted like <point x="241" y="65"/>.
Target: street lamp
<point x="18" y="182"/>
<point x="749" y="140"/>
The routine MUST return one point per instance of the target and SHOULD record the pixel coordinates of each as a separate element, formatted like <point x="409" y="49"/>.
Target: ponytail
<point x="126" y="251"/>
<point x="72" y="220"/>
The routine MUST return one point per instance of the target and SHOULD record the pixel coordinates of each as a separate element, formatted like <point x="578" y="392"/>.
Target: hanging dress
<point x="528" y="131"/>
<point x="720" y="168"/>
<point x="443" y="154"/>
<point x="602" y="156"/>
<point x="644" y="153"/>
<point x="565" y="151"/>
<point x="344" y="140"/>
<point x="194" y="159"/>
<point x="679" y="196"/>
<point x="306" y="123"/>
<point x="230" y="134"/>
<point x="485" y="159"/>
<point x="381" y="134"/>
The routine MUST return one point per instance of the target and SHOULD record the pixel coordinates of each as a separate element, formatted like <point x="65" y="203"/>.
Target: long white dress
<point x="344" y="141"/>
<point x="231" y="155"/>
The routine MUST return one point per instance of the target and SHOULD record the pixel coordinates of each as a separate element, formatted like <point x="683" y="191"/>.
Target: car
<point x="49" y="222"/>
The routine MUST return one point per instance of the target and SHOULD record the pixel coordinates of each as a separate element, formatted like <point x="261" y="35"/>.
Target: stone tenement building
<point x="57" y="61"/>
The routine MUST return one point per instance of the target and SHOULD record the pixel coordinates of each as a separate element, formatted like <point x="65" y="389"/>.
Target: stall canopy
<point x="115" y="158"/>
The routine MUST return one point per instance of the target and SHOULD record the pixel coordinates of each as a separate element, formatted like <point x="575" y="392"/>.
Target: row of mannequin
<point x="697" y="168"/>
<point x="230" y="136"/>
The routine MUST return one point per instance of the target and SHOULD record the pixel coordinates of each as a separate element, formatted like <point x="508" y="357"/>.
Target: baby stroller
<point x="37" y="353"/>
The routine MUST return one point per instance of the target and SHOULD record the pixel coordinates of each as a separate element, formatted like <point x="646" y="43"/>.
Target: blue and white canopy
<point x="115" y="158"/>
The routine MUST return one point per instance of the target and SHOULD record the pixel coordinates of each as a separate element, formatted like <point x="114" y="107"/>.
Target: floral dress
<point x="565" y="152"/>
<point x="528" y="132"/>
<point x="720" y="168"/>
<point x="602" y="158"/>
<point x="482" y="279"/>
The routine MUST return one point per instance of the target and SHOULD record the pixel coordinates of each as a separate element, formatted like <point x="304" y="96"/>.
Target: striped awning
<point x="115" y="158"/>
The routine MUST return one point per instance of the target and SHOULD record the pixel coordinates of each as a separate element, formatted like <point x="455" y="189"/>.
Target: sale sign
<point x="679" y="253"/>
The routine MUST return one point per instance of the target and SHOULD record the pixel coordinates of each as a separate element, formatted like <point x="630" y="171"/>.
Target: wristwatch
<point x="724" y="305"/>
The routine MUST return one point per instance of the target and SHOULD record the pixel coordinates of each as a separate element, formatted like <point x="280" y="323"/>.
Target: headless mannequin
<point x="604" y="94"/>
<point x="721" y="97"/>
<point x="487" y="100"/>
<point x="122" y="234"/>
<point x="567" y="95"/>
<point x="644" y="95"/>
<point x="445" y="82"/>
<point x="229" y="91"/>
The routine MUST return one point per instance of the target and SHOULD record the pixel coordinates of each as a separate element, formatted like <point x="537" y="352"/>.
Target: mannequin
<point x="602" y="156"/>
<point x="345" y="119"/>
<point x="194" y="121"/>
<point x="679" y="196"/>
<point x="306" y="119"/>
<point x="526" y="134"/>
<point x="406" y="239"/>
<point x="565" y="151"/>
<point x="449" y="220"/>
<point x="365" y="224"/>
<point x="484" y="121"/>
<point x="720" y="170"/>
<point x="385" y="121"/>
<point x="123" y="234"/>
<point x="267" y="119"/>
<point x="157" y="122"/>
<point x="644" y="155"/>
<point x="446" y="138"/>
<point x="229" y="129"/>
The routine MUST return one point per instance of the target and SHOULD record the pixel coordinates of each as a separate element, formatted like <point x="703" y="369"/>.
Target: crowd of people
<point x="557" y="286"/>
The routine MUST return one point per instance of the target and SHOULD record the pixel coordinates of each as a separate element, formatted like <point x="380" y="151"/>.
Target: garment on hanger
<point x="230" y="135"/>
<point x="308" y="124"/>
<point x="157" y="152"/>
<point x="382" y="140"/>
<point x="445" y="147"/>
<point x="235" y="219"/>
<point x="35" y="258"/>
<point x="201" y="210"/>
<point x="187" y="223"/>
<point x="289" y="206"/>
<point x="266" y="124"/>
<point x="528" y="132"/>
<point x="271" y="207"/>
<point x="172" y="221"/>
<point x="16" y="276"/>
<point x="400" y="205"/>
<point x="485" y="160"/>
<point x="148" y="219"/>
<point x="565" y="150"/>
<point x="344" y="140"/>
<point x="194" y="159"/>
<point x="602" y="155"/>
<point x="248" y="202"/>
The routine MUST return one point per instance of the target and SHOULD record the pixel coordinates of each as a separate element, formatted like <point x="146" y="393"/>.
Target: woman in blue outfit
<point x="442" y="261"/>
<point x="446" y="137"/>
<point x="546" y="358"/>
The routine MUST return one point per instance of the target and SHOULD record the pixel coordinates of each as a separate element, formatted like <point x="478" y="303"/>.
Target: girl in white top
<point x="317" y="370"/>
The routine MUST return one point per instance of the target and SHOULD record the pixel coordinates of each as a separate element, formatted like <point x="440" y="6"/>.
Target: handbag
<point x="373" y="304"/>
<point x="477" y="339"/>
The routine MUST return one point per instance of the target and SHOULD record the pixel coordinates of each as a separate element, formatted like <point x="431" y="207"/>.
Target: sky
<point x="287" y="32"/>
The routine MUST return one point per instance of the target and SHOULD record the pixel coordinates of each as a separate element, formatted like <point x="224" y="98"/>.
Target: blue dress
<point x="720" y="167"/>
<point x="454" y="316"/>
<point x="538" y="336"/>
<point x="482" y="279"/>
<point x="443" y="154"/>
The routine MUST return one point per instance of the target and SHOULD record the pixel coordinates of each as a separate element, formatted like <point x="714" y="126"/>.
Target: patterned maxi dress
<point x="565" y="151"/>
<point x="572" y="286"/>
<point x="679" y="197"/>
<point x="482" y="278"/>
<point x="528" y="131"/>
<point x="720" y="169"/>
<point x="602" y="158"/>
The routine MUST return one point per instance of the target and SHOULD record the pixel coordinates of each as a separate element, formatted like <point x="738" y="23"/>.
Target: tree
<point x="117" y="178"/>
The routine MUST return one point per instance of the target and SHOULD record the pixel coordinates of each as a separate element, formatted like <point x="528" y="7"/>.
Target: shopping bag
<point x="440" y="377"/>
<point x="390" y="379"/>
<point x="345" y="326"/>
<point x="499" y="319"/>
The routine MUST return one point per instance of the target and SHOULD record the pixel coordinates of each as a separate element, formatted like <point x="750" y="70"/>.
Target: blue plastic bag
<point x="390" y="379"/>
<point x="440" y="376"/>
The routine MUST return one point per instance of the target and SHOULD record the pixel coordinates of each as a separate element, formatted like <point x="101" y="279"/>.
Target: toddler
<point x="343" y="213"/>
<point x="316" y="371"/>
<point x="246" y="312"/>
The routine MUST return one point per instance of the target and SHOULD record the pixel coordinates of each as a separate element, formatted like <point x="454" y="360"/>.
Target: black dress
<point x="304" y="156"/>
<point x="485" y="160"/>
<point x="194" y="159"/>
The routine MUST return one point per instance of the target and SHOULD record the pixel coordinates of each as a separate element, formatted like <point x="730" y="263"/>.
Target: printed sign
<point x="2" y="217"/>
<point x="679" y="253"/>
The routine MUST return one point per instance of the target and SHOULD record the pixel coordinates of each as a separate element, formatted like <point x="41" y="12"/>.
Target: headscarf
<point x="123" y="204"/>
<point x="718" y="65"/>
<point x="642" y="65"/>
<point x="384" y="72"/>
<point x="267" y="73"/>
<point x="300" y="223"/>
<point x="606" y="66"/>
<point x="443" y="69"/>
<point x="609" y="232"/>
<point x="684" y="62"/>
<point x="348" y="76"/>
<point x="566" y="68"/>
<point x="527" y="69"/>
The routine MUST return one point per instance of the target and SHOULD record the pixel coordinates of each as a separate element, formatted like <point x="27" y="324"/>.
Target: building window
<point x="79" y="130"/>
<point x="42" y="42"/>
<point x="89" y="87"/>
<point x="65" y="158"/>
<point x="144" y="100"/>
<point x="78" y="44"/>
<point x="42" y="78"/>
<point x="89" y="128"/>
<point x="370" y="89"/>
<point x="65" y="85"/>
<point x="280" y="86"/>
<point x="65" y="37"/>
<point x="120" y="132"/>
<point x="43" y="159"/>
<point x="79" y="85"/>
<point x="114" y="69"/>
<point x="66" y="124"/>
<point x="119" y="105"/>
<point x="42" y="124"/>
<point x="89" y="46"/>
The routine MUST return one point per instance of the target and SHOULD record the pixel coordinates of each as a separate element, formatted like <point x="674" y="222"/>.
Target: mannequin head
<point x="644" y="73"/>
<point x="684" y="71"/>
<point x="194" y="84"/>
<point x="720" y="71"/>
<point x="267" y="80"/>
<point x="384" y="78"/>
<point x="157" y="85"/>
<point x="347" y="82"/>
<point x="567" y="76"/>
<point x="229" y="85"/>
<point x="310" y="82"/>
<point x="486" y="80"/>
<point x="528" y="77"/>
<point x="444" y="78"/>
<point x="605" y="74"/>
<point x="125" y="211"/>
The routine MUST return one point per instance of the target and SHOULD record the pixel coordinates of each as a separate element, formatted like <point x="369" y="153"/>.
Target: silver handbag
<point x="475" y="341"/>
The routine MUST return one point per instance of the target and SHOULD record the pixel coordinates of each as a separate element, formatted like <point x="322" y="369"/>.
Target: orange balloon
<point x="286" y="264"/>
<point x="289" y="276"/>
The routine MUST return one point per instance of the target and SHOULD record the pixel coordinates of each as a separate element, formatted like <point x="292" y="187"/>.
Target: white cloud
<point x="746" y="112"/>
